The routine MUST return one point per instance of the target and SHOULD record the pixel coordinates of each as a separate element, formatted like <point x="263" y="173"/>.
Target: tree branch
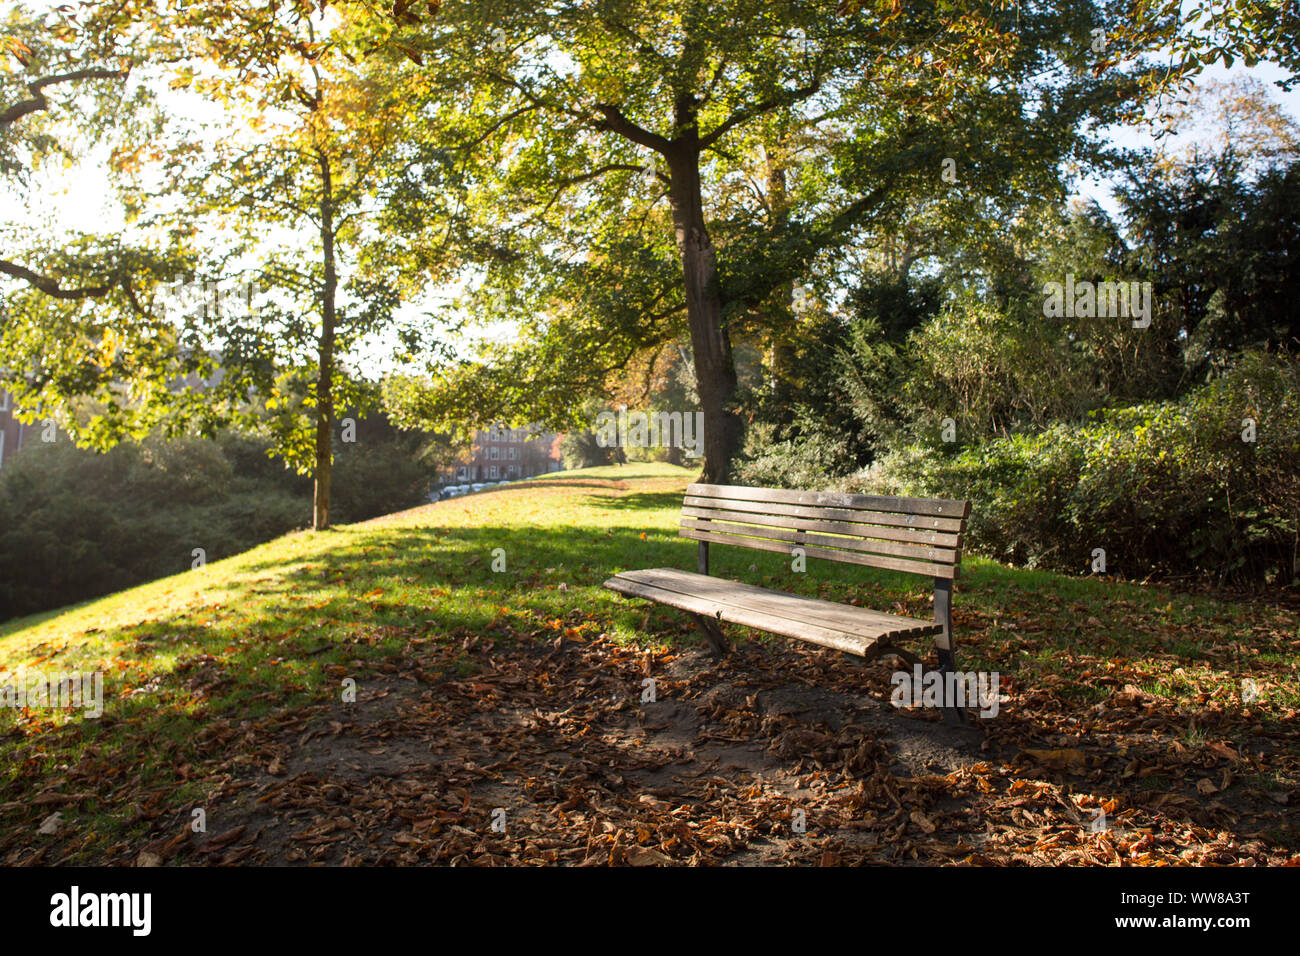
<point x="746" y="113"/>
<point x="51" y="286"/>
<point x="616" y="122"/>
<point x="37" y="89"/>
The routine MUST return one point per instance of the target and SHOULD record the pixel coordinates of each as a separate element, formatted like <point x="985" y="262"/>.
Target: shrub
<point x="807" y="454"/>
<point x="1166" y="488"/>
<point x="76" y="524"/>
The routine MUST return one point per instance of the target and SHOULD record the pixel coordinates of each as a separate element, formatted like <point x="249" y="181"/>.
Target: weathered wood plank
<point x="802" y="538"/>
<point x="773" y="624"/>
<point x="938" y="539"/>
<point x="920" y="522"/>
<point x="944" y="507"/>
<point x="829" y="554"/>
<point x="854" y="620"/>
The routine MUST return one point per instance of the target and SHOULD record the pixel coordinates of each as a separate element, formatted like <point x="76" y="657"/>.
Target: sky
<point x="1134" y="137"/>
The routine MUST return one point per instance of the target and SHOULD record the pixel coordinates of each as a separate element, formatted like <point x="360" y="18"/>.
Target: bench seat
<point x="854" y="630"/>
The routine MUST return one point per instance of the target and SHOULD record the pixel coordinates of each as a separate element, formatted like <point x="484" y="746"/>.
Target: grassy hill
<point x="199" y="664"/>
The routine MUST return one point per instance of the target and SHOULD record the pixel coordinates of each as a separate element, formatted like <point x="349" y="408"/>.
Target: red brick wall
<point x="532" y="457"/>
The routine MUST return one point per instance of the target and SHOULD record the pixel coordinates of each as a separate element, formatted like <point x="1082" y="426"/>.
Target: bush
<point x="373" y="478"/>
<point x="807" y="454"/>
<point x="75" y="524"/>
<point x="1166" y="488"/>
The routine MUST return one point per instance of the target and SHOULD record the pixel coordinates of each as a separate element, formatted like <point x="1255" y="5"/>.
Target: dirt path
<point x="548" y="755"/>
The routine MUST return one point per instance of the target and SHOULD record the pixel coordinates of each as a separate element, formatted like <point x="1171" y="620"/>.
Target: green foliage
<point x="1165" y="487"/>
<point x="580" y="449"/>
<point x="806" y="454"/>
<point x="1203" y="32"/>
<point x="991" y="372"/>
<point x="384" y="470"/>
<point x="75" y="524"/>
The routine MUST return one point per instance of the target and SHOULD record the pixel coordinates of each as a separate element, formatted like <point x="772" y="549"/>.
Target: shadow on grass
<point x="360" y="602"/>
<point x="637" y="501"/>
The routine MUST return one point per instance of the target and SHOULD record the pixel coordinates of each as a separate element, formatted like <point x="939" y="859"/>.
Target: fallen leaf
<point x="644" y="856"/>
<point x="922" y="821"/>
<point x="1058" y="759"/>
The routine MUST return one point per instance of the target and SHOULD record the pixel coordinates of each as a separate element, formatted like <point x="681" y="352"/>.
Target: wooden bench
<point x="914" y="535"/>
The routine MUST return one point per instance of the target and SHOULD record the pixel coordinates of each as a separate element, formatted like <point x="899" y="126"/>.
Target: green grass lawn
<point x="285" y="623"/>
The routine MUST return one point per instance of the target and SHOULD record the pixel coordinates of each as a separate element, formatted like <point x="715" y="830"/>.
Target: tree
<point x="324" y="135"/>
<point x="63" y="90"/>
<point x="311" y="141"/>
<point x="635" y="167"/>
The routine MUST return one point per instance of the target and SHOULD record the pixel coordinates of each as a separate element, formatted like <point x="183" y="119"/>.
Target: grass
<point x="286" y="623"/>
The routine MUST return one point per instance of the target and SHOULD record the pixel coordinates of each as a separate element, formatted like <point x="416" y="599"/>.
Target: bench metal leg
<point x="952" y="714"/>
<point x="713" y="635"/>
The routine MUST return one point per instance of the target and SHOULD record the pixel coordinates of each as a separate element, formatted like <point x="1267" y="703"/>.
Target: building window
<point x="494" y="453"/>
<point x="492" y="472"/>
<point x="4" y="400"/>
<point x="514" y="454"/>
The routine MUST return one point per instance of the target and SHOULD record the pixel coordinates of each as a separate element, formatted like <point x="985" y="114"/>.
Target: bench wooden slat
<point x="938" y="539"/>
<point x="849" y="557"/>
<point x="802" y="538"/>
<point x="916" y="536"/>
<point x="740" y="607"/>
<point x="756" y="619"/>
<point x="919" y="522"/>
<point x="937" y="507"/>
<point x="854" y="620"/>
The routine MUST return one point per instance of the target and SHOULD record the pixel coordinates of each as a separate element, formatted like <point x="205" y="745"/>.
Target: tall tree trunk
<point x="325" y="365"/>
<point x="715" y="370"/>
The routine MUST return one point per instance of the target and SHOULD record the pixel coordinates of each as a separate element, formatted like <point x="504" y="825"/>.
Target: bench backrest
<point x="917" y="535"/>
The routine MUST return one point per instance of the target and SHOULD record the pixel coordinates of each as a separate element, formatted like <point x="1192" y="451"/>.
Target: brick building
<point x="506" y="454"/>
